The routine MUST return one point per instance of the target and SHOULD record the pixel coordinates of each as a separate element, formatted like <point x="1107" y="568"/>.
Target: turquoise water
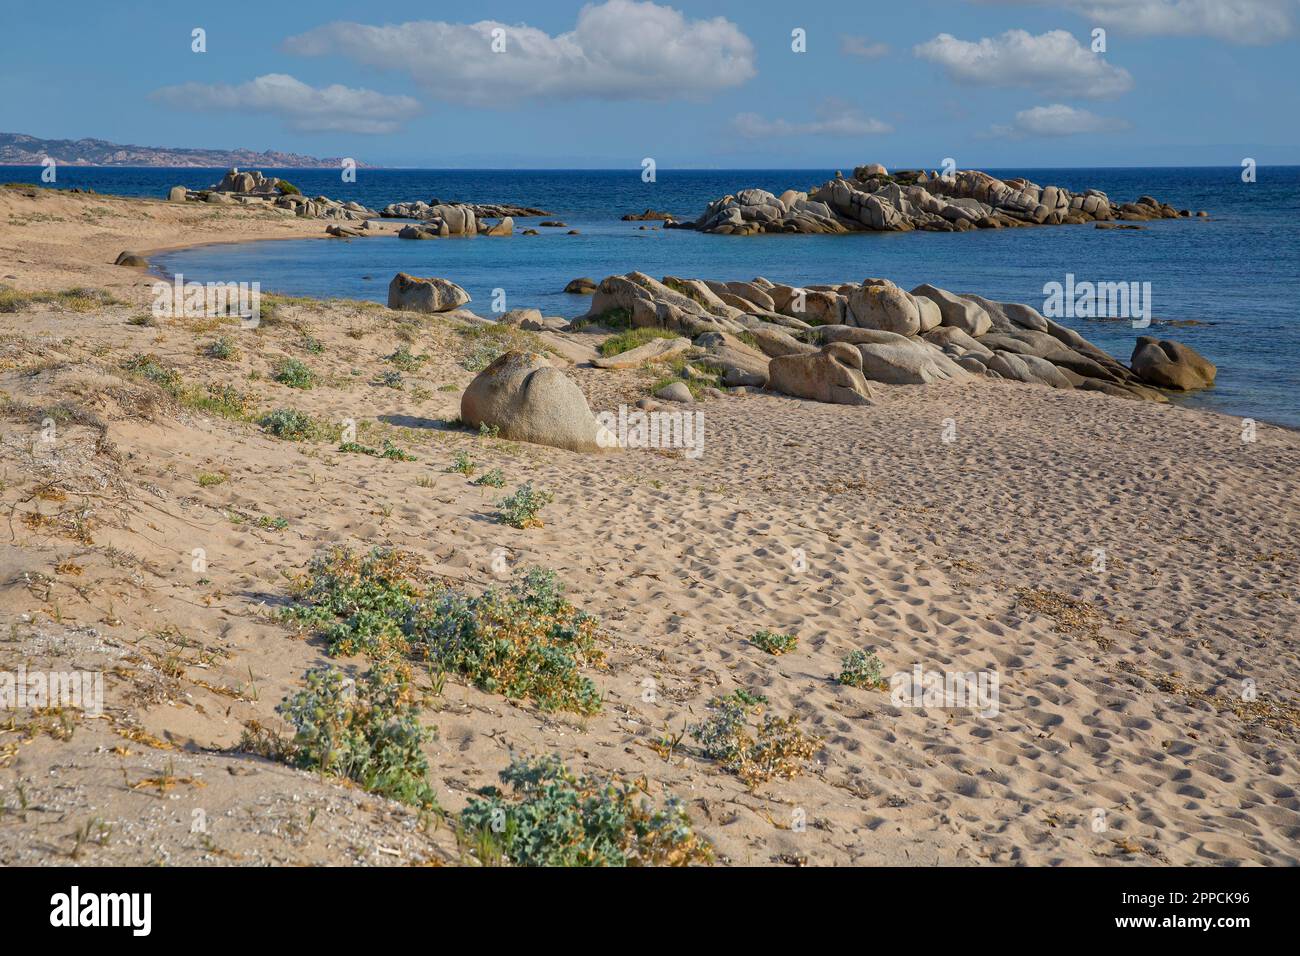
<point x="1236" y="275"/>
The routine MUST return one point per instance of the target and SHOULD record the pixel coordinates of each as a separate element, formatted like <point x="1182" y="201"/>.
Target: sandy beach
<point x="1127" y="568"/>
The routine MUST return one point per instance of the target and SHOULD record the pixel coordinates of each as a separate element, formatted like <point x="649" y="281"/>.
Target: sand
<point x="1121" y="736"/>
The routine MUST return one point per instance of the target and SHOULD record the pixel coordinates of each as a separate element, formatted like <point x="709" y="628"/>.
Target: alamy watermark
<point x="199" y="300"/>
<point x="1098" y="300"/>
<point x="919" y="688"/>
<point x="80" y="690"/>
<point x="634" y="428"/>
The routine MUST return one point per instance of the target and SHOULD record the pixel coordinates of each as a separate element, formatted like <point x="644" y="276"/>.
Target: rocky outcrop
<point x="650" y="215"/>
<point x="409" y="293"/>
<point x="528" y="399"/>
<point x="254" y="189"/>
<point x="131" y="259"/>
<point x="428" y="210"/>
<point x="656" y="350"/>
<point x="638" y="301"/>
<point x="875" y="201"/>
<point x="1167" y="364"/>
<point x="742" y="331"/>
<point x="582" y="286"/>
<point x="833" y="375"/>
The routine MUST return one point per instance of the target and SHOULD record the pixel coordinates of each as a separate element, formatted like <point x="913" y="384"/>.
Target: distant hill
<point x="17" y="149"/>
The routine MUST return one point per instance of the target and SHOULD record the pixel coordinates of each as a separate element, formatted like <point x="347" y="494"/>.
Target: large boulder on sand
<point x="879" y="304"/>
<point x="1169" y="364"/>
<point x="957" y="312"/>
<point x="528" y="399"/>
<point x="833" y="374"/>
<point x="912" y="362"/>
<point x="176" y="194"/>
<point x="741" y="364"/>
<point x="413" y="294"/>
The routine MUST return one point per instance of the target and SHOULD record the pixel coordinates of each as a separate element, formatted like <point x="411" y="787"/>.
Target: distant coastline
<point x="19" y="149"/>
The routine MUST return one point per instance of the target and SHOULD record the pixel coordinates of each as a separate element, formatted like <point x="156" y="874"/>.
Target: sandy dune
<point x="1122" y="733"/>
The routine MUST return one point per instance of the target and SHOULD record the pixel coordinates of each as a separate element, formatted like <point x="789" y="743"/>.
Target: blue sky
<point x="987" y="82"/>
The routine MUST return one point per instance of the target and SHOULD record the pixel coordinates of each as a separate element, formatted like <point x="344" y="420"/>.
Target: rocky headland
<point x="874" y="200"/>
<point x="255" y="189"/>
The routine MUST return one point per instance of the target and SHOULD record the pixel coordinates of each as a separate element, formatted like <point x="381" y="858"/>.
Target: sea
<point x="1228" y="285"/>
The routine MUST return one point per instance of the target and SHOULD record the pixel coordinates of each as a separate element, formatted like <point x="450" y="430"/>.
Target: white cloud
<point x="617" y="50"/>
<point x="832" y="118"/>
<point x="1058" y="120"/>
<point x="1237" y="21"/>
<point x="863" y="47"/>
<point x="302" y="107"/>
<point x="1052" y="62"/>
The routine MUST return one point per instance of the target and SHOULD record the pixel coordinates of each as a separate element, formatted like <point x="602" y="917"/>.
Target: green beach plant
<point x="557" y="818"/>
<point x="520" y="509"/>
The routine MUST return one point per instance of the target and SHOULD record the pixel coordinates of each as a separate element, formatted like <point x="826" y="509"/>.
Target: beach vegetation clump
<point x="293" y="425"/>
<point x="775" y="747"/>
<point x="74" y="300"/>
<point x="774" y="643"/>
<point x="557" y="818"/>
<point x="520" y="509"/>
<point x="632" y="338"/>
<point x="462" y="464"/>
<point x="208" y="479"/>
<point x="495" y="478"/>
<point x="618" y="317"/>
<point x="406" y="360"/>
<point x="526" y="641"/>
<point x="215" y="399"/>
<point x="484" y="344"/>
<point x="359" y="603"/>
<point x="389" y="451"/>
<point x="287" y="188"/>
<point x="369" y="733"/>
<point x="862" y="669"/>
<point x="223" y="348"/>
<point x="150" y="368"/>
<point x="291" y="372"/>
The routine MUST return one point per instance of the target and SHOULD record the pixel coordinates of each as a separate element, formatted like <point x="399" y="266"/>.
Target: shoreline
<point x="378" y="224"/>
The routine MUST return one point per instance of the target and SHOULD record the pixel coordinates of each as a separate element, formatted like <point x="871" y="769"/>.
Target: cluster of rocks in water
<point x="438" y="220"/>
<point x="873" y="200"/>
<point x="255" y="189"/>
<point x="429" y="210"/>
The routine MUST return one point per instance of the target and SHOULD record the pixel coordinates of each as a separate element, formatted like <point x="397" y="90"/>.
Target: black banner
<point x="334" y="906"/>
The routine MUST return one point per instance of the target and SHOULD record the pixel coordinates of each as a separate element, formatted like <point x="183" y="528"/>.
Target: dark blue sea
<point x="1235" y="277"/>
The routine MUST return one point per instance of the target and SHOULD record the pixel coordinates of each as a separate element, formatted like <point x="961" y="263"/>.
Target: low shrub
<point x="525" y="642"/>
<point x="295" y="374"/>
<point x="774" y="643"/>
<point x="495" y="478"/>
<point x="520" y="509"/>
<point x="372" y="736"/>
<point x="775" y="748"/>
<point x="862" y="669"/>
<point x="555" y="818"/>
<point x="292" y="425"/>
